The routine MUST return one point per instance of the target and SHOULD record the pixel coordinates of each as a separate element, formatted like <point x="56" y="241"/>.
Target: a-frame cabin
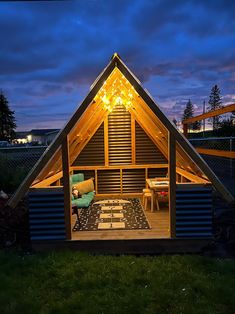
<point x="119" y="136"/>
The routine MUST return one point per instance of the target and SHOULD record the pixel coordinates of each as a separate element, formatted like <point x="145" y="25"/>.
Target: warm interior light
<point x="105" y="100"/>
<point x="116" y="90"/>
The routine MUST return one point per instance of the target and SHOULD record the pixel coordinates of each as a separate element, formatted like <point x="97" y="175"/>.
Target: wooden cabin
<point x="120" y="137"/>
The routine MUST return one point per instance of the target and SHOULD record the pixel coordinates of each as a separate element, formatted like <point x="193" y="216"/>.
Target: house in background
<point x="36" y="136"/>
<point x="42" y="136"/>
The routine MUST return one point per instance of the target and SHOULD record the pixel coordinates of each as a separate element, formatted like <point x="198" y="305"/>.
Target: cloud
<point x="51" y="52"/>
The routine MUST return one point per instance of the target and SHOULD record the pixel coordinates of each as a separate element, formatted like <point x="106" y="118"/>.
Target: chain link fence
<point x="15" y="163"/>
<point x="223" y="167"/>
<point x="220" y="143"/>
<point x="21" y="156"/>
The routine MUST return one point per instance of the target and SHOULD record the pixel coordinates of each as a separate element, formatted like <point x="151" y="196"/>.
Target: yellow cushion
<point x="85" y="186"/>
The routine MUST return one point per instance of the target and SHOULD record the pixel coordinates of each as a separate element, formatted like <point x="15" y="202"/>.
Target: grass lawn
<point x="71" y="282"/>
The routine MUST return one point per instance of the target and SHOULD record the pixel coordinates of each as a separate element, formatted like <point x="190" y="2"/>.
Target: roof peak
<point x="115" y="55"/>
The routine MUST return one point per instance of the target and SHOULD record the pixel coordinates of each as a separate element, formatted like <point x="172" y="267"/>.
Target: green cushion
<point x="86" y="198"/>
<point x="75" y="178"/>
<point x="84" y="201"/>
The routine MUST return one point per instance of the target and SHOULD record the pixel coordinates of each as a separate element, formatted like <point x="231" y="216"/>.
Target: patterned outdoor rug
<point x="112" y="214"/>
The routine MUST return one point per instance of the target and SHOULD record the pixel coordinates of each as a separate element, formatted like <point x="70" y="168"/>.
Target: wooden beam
<point x="188" y="148"/>
<point x="106" y="141"/>
<point x="159" y="166"/>
<point x="67" y="190"/>
<point x="185" y="129"/>
<point x="192" y="177"/>
<point x="144" y="110"/>
<point x="216" y="152"/>
<point x="84" y="123"/>
<point x="133" y="153"/>
<point x="172" y="183"/>
<point x="210" y="114"/>
<point x="23" y="188"/>
<point x="48" y="181"/>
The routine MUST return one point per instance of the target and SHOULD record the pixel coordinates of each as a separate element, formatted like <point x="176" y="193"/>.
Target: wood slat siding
<point x="146" y="151"/>
<point x="133" y="180"/>
<point x="93" y="153"/>
<point x="194" y="212"/>
<point x="157" y="172"/>
<point x="46" y="214"/>
<point x="119" y="133"/>
<point x="109" y="182"/>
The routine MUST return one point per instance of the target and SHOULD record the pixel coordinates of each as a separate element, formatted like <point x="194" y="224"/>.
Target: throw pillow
<point x="85" y="186"/>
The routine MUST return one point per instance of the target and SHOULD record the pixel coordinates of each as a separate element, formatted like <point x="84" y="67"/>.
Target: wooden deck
<point x="153" y="241"/>
<point x="158" y="221"/>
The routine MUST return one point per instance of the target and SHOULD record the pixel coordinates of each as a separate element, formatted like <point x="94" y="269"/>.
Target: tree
<point x="7" y="120"/>
<point x="215" y="102"/>
<point x="188" y="112"/>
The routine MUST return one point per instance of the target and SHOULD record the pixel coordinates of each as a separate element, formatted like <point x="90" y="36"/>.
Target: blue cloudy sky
<point x="52" y="51"/>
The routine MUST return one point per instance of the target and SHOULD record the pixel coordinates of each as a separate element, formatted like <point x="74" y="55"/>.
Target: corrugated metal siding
<point x="146" y="150"/>
<point x="157" y="172"/>
<point x="93" y="153"/>
<point x="109" y="181"/>
<point x="119" y="130"/>
<point x="194" y="213"/>
<point x="46" y="214"/>
<point x="133" y="180"/>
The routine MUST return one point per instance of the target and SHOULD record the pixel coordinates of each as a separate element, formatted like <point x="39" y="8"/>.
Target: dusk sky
<point x="52" y="51"/>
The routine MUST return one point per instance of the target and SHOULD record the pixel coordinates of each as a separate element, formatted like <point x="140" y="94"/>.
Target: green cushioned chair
<point x="86" y="198"/>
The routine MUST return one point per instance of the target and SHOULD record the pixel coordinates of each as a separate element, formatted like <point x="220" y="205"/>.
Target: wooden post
<point x="121" y="187"/>
<point x="106" y="141"/>
<point x="185" y="129"/>
<point x="96" y="181"/>
<point x="133" y="139"/>
<point x="67" y="191"/>
<point x="172" y="183"/>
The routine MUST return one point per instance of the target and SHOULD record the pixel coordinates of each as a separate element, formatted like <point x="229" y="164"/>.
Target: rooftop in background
<point x="42" y="131"/>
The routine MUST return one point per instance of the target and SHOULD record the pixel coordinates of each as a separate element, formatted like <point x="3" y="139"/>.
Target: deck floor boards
<point x="158" y="220"/>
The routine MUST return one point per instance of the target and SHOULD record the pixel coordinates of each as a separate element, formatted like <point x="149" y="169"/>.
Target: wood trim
<point x="190" y="176"/>
<point x="121" y="181"/>
<point x="216" y="152"/>
<point x="48" y="181"/>
<point x="119" y="167"/>
<point x="133" y="152"/>
<point x="46" y="188"/>
<point x="45" y="158"/>
<point x="146" y="177"/>
<point x="96" y="181"/>
<point x="189" y="185"/>
<point x="172" y="182"/>
<point x="171" y="128"/>
<point x="119" y="194"/>
<point x="67" y="192"/>
<point x="210" y="114"/>
<point x="106" y="141"/>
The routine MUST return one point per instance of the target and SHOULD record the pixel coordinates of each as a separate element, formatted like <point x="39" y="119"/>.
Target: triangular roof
<point x="147" y="108"/>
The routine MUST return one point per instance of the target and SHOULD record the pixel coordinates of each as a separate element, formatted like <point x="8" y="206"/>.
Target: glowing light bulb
<point x="118" y="100"/>
<point x="105" y="99"/>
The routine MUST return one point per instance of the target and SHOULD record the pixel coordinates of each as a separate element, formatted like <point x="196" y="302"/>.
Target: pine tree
<point x="215" y="102"/>
<point x="188" y="112"/>
<point x="7" y="120"/>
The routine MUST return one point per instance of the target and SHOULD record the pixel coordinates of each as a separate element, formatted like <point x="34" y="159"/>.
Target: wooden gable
<point x="117" y="86"/>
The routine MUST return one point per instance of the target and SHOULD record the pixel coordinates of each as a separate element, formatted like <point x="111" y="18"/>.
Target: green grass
<point x="71" y="282"/>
